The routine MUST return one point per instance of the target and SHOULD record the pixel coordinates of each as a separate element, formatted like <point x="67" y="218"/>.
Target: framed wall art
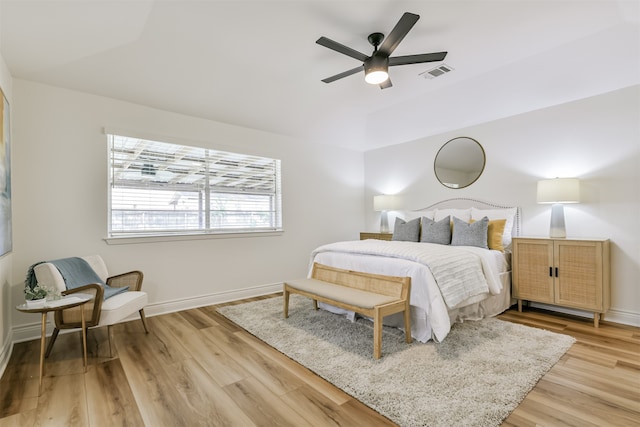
<point x="5" y="178"/>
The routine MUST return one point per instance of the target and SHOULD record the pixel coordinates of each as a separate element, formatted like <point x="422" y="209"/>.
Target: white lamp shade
<point x="386" y="202"/>
<point x="559" y="190"/>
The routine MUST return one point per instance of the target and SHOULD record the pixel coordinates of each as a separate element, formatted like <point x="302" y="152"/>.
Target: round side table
<point x="64" y="303"/>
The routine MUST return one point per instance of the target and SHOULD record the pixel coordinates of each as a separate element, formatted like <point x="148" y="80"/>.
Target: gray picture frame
<point x="6" y="227"/>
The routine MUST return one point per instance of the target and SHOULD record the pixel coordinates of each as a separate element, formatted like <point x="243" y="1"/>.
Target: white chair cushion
<point x="98" y="265"/>
<point x="121" y="306"/>
<point x="49" y="276"/>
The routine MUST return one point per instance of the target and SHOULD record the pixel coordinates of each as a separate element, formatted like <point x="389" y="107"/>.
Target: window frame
<point x="256" y="197"/>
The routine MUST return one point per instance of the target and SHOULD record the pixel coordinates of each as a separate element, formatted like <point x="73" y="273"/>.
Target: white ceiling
<point x="256" y="64"/>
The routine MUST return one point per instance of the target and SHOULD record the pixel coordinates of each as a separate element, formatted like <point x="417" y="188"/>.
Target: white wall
<point x="595" y="139"/>
<point x="5" y="261"/>
<point x="60" y="199"/>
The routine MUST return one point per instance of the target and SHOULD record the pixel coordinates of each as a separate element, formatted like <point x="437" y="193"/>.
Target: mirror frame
<point x="435" y="161"/>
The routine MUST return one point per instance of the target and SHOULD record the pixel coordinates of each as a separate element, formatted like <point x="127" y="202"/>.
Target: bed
<point x="450" y="283"/>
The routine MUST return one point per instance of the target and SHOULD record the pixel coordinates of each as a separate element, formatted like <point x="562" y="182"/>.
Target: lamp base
<point x="557" y="229"/>
<point x="384" y="222"/>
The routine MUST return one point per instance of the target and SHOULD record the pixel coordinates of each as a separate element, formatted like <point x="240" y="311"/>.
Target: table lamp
<point x="385" y="203"/>
<point x="558" y="191"/>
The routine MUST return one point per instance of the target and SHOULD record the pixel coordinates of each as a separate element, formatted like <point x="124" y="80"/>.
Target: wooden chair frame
<point x="70" y="319"/>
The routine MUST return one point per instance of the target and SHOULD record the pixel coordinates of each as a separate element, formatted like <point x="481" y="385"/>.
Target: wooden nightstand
<point x="565" y="272"/>
<point x="373" y="235"/>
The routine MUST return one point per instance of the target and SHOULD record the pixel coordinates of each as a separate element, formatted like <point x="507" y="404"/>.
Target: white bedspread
<point x="430" y="316"/>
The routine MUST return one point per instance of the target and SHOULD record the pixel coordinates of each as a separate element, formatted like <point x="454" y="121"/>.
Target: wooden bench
<point x="371" y="295"/>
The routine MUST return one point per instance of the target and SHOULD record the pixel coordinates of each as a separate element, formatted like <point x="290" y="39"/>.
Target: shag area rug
<point x="475" y="377"/>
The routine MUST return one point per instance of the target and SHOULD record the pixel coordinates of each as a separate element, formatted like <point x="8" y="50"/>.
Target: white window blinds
<point x="158" y="188"/>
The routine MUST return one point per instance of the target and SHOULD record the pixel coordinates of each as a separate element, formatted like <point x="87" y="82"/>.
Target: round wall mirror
<point x="459" y="162"/>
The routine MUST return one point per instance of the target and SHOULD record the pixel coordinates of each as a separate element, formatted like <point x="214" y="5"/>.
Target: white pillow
<point x="508" y="213"/>
<point x="463" y="214"/>
<point x="409" y="215"/>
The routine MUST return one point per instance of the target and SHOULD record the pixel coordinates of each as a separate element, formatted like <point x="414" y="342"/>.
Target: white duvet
<point x="430" y="316"/>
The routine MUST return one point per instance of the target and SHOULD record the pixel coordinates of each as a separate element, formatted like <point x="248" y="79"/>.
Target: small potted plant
<point x="36" y="296"/>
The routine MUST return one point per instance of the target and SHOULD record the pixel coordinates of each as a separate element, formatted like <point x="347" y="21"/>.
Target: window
<point x="156" y="188"/>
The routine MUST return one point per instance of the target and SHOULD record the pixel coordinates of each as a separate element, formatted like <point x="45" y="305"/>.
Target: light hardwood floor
<point x="198" y="368"/>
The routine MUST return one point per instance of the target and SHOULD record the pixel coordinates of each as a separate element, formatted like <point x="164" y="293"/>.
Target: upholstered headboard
<point x="476" y="209"/>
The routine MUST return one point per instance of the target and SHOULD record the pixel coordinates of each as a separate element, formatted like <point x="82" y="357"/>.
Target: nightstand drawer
<point x="372" y="235"/>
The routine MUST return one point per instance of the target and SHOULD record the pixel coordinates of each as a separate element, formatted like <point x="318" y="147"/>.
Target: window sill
<point x="129" y="240"/>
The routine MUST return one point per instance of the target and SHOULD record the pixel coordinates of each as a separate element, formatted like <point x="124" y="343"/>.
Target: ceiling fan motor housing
<point x="376" y="64"/>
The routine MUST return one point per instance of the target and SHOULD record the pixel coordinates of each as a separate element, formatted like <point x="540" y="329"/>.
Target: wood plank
<point x="18" y="396"/>
<point x="308" y="377"/>
<point x="581" y="406"/>
<point x="316" y="408"/>
<point x="631" y="367"/>
<point x="153" y="388"/>
<point x="159" y="343"/>
<point x="110" y="400"/>
<point x="362" y="415"/>
<point x="541" y="415"/>
<point x="22" y="419"/>
<point x="222" y="321"/>
<point x="606" y="373"/>
<point x="19" y="384"/>
<point x="63" y="401"/>
<point x="626" y="398"/>
<point x="203" y="402"/>
<point x="223" y="368"/>
<point x="66" y="356"/>
<point x="147" y="360"/>
<point x="262" y="406"/>
<point x="275" y="377"/>
<point x="198" y="318"/>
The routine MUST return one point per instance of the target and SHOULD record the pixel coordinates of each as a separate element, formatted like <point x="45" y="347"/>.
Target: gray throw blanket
<point x="76" y="272"/>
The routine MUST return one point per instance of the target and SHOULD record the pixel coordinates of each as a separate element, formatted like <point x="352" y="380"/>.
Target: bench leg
<point x="377" y="335"/>
<point x="285" y="300"/>
<point x="315" y="304"/>
<point x="407" y="324"/>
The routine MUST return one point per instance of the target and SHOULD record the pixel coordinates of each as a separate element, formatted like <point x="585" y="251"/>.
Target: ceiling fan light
<point x="376" y="77"/>
<point x="375" y="70"/>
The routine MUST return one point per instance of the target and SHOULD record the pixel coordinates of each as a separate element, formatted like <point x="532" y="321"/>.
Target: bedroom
<point x="59" y="166"/>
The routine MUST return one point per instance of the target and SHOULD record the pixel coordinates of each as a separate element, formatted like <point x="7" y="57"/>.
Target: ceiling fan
<point x="376" y="66"/>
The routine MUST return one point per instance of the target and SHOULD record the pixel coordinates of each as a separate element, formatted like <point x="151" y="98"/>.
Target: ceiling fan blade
<point x="340" y="48"/>
<point x="343" y="74"/>
<point x="404" y="25"/>
<point x="386" y="84"/>
<point x="417" y="59"/>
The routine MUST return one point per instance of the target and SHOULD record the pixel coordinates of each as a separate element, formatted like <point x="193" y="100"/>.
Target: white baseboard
<point x="625" y="317"/>
<point x="615" y="316"/>
<point x="212" y="299"/>
<point x="5" y="353"/>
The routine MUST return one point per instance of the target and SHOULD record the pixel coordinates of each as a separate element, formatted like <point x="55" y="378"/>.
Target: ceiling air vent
<point x="436" y="72"/>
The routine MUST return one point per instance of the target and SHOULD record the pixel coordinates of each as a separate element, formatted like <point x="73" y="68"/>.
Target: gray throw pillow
<point x="406" y="231"/>
<point x="436" y="231"/>
<point x="474" y="234"/>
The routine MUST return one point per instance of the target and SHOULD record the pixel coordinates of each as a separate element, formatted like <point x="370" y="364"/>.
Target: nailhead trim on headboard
<point x="465" y="202"/>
